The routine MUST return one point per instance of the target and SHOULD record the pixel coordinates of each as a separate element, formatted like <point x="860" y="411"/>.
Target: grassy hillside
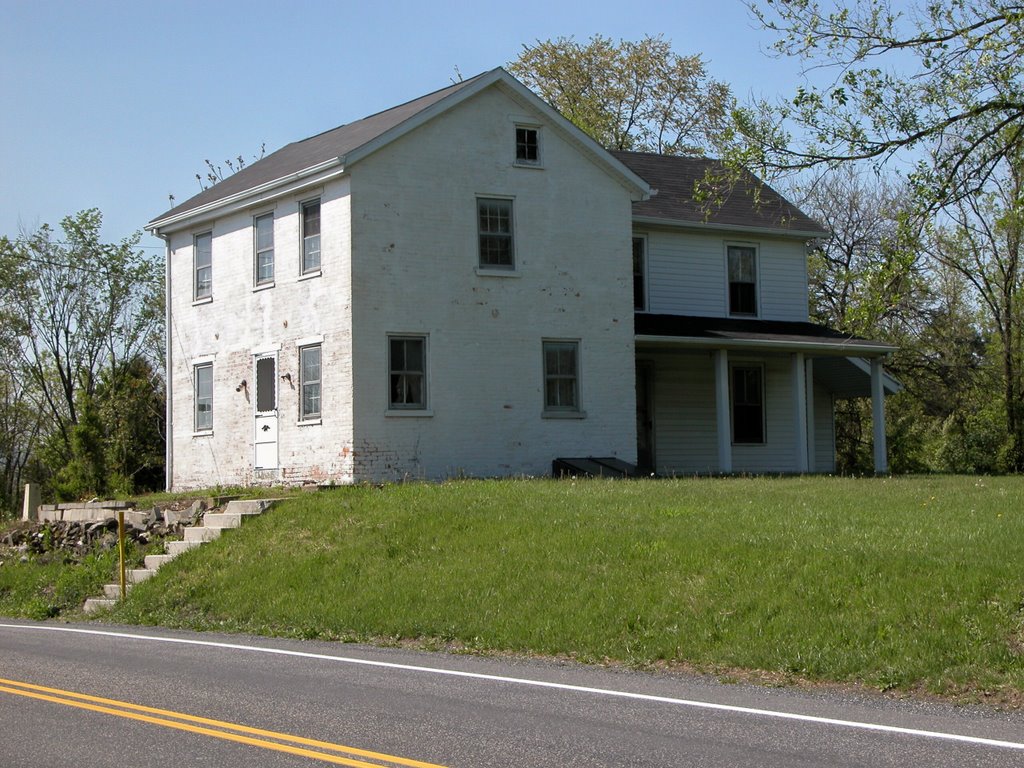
<point x="904" y="582"/>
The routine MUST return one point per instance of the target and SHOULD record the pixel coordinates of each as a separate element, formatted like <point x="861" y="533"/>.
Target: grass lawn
<point x="908" y="583"/>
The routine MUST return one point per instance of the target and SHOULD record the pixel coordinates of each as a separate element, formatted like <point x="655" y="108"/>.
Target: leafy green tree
<point x="938" y="84"/>
<point x="630" y="96"/>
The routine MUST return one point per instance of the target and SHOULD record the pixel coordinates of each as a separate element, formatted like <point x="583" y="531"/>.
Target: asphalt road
<point x="94" y="695"/>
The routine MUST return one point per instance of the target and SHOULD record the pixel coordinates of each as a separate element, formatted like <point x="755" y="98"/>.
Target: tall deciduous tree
<point x="632" y="95"/>
<point x="938" y="83"/>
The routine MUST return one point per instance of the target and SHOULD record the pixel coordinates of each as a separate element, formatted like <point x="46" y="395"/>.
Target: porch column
<point x="721" y="364"/>
<point x="878" y="417"/>
<point x="809" y="374"/>
<point x="800" y="410"/>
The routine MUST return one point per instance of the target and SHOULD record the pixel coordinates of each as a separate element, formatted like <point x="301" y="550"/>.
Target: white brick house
<point x="445" y="288"/>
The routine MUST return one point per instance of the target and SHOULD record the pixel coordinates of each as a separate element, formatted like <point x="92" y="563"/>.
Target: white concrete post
<point x="812" y="462"/>
<point x="800" y="409"/>
<point x="721" y="363"/>
<point x="878" y="417"/>
<point x="30" y="505"/>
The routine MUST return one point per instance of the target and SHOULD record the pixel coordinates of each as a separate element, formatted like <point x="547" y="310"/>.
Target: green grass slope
<point x="902" y="583"/>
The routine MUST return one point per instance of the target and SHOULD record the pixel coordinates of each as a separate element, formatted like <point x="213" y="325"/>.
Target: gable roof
<point x="345" y="144"/>
<point x="748" y="204"/>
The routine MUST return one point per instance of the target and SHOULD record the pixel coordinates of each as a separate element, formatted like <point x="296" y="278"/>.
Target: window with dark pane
<point x="561" y="376"/>
<point x="310" y="236"/>
<point x="204" y="265"/>
<point x="407" y="372"/>
<point x="264" y="236"/>
<point x="495" y="229"/>
<point x="204" y="397"/>
<point x="742" y="280"/>
<point x="639" y="273"/>
<point x="266" y="384"/>
<point x="309" y="382"/>
<point x="747" y="404"/>
<point x="527" y="146"/>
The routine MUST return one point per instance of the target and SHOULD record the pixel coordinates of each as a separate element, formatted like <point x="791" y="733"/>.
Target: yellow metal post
<point x="120" y="550"/>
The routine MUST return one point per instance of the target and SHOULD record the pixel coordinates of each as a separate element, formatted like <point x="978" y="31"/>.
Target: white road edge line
<point x="537" y="684"/>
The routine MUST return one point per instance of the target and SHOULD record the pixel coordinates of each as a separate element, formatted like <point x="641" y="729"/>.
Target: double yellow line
<point x="218" y="729"/>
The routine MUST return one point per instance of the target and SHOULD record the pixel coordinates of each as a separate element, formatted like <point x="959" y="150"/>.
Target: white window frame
<point x="573" y="410"/>
<point x="304" y="267"/>
<point x="198" y="294"/>
<point x="755" y="248"/>
<point x="200" y="424"/>
<point x="753" y="366"/>
<point x="522" y="161"/>
<point x="258" y="252"/>
<point x="398" y="406"/>
<point x="645" y="299"/>
<point x="304" y="383"/>
<point x="482" y="200"/>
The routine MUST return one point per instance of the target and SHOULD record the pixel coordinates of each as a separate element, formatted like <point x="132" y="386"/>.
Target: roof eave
<point x="803" y="234"/>
<point x="272" y="188"/>
<point x="841" y="348"/>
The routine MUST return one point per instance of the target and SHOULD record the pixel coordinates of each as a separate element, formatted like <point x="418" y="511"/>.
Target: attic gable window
<point x="527" y="145"/>
<point x="742" y="280"/>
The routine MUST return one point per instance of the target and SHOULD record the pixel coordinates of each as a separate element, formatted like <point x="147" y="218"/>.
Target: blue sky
<point x="115" y="105"/>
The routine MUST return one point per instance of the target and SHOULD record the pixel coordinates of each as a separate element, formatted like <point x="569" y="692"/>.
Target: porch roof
<point x="743" y="333"/>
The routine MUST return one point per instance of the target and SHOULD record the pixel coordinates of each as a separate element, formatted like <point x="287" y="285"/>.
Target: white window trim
<point x="491" y="270"/>
<point x="196" y="298"/>
<point x="733" y="365"/>
<point x="319" y="416"/>
<point x="198" y="431"/>
<point x="646" y="268"/>
<point x="537" y="164"/>
<point x="257" y="285"/>
<point x="308" y="274"/>
<point x="757" y="278"/>
<point x="547" y="411"/>
<point x="413" y="411"/>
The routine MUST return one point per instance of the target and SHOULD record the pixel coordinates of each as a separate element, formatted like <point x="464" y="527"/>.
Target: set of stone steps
<point x="214" y="523"/>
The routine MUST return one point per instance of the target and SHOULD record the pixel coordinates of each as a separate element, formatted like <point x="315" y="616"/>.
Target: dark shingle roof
<point x="749" y="203"/>
<point x="307" y="153"/>
<point x="742" y="330"/>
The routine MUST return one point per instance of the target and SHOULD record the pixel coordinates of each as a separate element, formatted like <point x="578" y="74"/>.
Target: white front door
<point x="266" y="412"/>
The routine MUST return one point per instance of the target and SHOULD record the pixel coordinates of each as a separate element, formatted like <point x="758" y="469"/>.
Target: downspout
<point x="168" y="369"/>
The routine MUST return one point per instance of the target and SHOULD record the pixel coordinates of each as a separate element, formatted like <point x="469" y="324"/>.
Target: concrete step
<point x="175" y="548"/>
<point x="223" y="519"/>
<point x="200" y="534"/>
<point x="113" y="591"/>
<point x="135" y="575"/>
<point x="249" y="506"/>
<point x="155" y="561"/>
<point x="94" y="604"/>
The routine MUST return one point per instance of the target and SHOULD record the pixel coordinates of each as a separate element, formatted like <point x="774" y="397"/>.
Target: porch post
<point x="878" y="417"/>
<point x="721" y="363"/>
<point x="800" y="410"/>
<point x="809" y="374"/>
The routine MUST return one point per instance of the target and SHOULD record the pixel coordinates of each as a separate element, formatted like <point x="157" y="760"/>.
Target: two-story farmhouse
<point x="467" y="284"/>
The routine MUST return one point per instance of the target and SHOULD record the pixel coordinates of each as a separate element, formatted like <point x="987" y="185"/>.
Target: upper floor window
<point x="742" y="280"/>
<point x="203" y="257"/>
<point x="747" y="404"/>
<point x="310" y="237"/>
<point x="561" y="376"/>
<point x="407" y="372"/>
<point x="204" y="397"/>
<point x="494" y="228"/>
<point x="527" y="145"/>
<point x="639" y="275"/>
<point x="263" y="227"/>
<point x="309" y="382"/>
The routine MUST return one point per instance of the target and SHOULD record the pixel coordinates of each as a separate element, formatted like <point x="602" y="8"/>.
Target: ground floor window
<point x="204" y="397"/>
<point x="561" y="376"/>
<point x="747" y="404"/>
<point x="309" y="382"/>
<point x="407" y="372"/>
